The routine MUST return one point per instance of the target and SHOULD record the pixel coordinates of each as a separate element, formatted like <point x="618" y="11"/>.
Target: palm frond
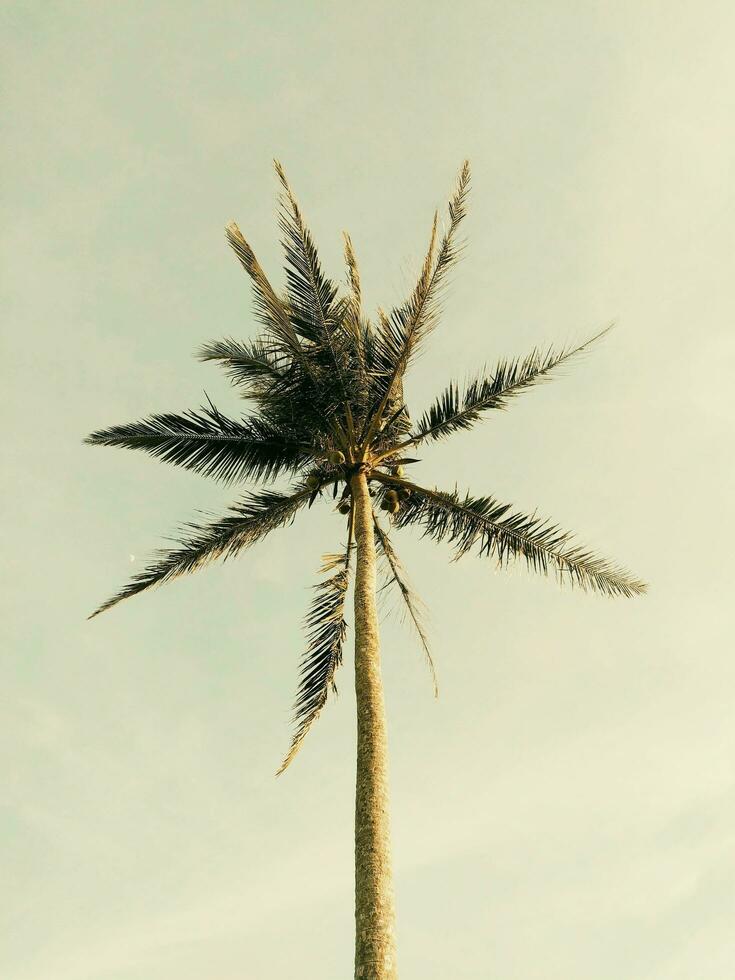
<point x="501" y="534"/>
<point x="456" y="409"/>
<point x="291" y="394"/>
<point x="414" y="606"/>
<point x="360" y="330"/>
<point x="326" y="630"/>
<point x="395" y="337"/>
<point x="316" y="310"/>
<point x="211" y="444"/>
<point x="406" y="327"/>
<point x="255" y="516"/>
<point x="254" y="367"/>
<point x="270" y="309"/>
<point x="353" y="275"/>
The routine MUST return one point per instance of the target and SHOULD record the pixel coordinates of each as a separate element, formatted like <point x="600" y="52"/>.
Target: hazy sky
<point x="566" y="810"/>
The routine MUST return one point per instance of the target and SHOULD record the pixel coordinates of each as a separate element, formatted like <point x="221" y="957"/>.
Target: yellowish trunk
<point x="375" y="953"/>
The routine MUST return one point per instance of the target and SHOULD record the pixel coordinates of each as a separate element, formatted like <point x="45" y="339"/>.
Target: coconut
<point x="390" y="502"/>
<point x="336" y="457"/>
<point x="344" y="505"/>
<point x="313" y="482"/>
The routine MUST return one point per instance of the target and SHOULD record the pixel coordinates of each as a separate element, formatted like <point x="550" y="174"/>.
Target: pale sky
<point x="566" y="810"/>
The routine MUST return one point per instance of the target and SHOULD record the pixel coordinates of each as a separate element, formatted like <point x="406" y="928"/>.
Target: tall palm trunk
<point x="375" y="955"/>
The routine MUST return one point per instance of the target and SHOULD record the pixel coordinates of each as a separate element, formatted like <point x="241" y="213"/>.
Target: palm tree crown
<point x="326" y="388"/>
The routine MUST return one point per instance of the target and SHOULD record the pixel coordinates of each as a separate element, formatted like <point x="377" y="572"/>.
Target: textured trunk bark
<point x="375" y="954"/>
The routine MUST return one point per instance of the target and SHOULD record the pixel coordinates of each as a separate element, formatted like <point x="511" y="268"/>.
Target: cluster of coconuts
<point x="391" y="501"/>
<point x="335" y="458"/>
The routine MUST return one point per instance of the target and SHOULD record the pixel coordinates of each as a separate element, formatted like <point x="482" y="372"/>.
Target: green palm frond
<point x="211" y="444"/>
<point x="249" y="521"/>
<point x="456" y="409"/>
<point x="326" y="630"/>
<point x="497" y="532"/>
<point x="414" y="606"/>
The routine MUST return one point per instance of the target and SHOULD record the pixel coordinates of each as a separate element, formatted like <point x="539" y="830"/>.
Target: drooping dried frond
<point x="498" y="533"/>
<point x="326" y="630"/>
<point x="414" y="606"/>
<point x="211" y="444"/>
<point x="406" y="327"/>
<point x="249" y="521"/>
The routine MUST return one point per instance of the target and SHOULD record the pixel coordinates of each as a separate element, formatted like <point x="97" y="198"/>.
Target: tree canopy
<point x="325" y="387"/>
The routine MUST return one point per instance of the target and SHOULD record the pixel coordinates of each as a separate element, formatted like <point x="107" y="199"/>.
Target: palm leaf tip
<point x="353" y="272"/>
<point x="237" y="242"/>
<point x="458" y="202"/>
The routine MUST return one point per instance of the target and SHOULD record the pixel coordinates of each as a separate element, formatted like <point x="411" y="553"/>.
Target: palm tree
<point x="326" y="387"/>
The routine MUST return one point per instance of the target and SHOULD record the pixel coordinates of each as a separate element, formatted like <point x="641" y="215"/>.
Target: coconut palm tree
<point x="325" y="385"/>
